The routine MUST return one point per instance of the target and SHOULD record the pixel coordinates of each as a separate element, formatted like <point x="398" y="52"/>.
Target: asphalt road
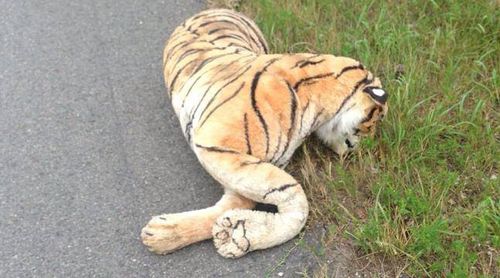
<point x="90" y="148"/>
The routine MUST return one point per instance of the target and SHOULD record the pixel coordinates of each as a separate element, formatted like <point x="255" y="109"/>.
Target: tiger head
<point x="357" y="117"/>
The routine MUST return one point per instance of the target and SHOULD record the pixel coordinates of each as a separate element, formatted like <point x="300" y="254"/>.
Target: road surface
<point x="90" y="148"/>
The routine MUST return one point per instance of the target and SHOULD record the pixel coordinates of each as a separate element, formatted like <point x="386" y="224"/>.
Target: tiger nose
<point x="349" y="144"/>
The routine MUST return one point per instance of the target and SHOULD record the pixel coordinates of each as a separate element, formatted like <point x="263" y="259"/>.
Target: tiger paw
<point x="230" y="234"/>
<point x="161" y="235"/>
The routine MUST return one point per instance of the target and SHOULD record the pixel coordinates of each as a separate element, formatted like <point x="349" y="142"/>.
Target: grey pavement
<point x="90" y="148"/>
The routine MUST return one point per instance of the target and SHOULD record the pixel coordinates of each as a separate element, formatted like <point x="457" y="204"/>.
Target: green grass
<point x="423" y="192"/>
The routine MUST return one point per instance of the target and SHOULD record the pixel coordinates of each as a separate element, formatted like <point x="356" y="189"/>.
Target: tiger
<point x="244" y="111"/>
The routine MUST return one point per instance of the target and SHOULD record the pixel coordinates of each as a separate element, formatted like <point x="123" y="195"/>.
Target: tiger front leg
<point x="240" y="231"/>
<point x="169" y="232"/>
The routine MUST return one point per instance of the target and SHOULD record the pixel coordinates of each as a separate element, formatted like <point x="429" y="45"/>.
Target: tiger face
<point x="358" y="118"/>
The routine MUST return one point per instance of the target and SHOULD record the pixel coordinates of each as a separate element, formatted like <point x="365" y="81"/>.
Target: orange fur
<point x="244" y="112"/>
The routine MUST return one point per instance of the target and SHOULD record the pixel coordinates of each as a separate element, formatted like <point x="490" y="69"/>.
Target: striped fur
<point x="244" y="112"/>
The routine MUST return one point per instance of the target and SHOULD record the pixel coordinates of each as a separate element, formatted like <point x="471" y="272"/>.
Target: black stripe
<point x="172" y="49"/>
<point x="254" y="31"/>
<point x="242" y="21"/>
<point x="206" y="23"/>
<point x="194" y="32"/>
<point x="365" y="81"/>
<point x="249" y="25"/>
<point x="190" y="88"/>
<point x="230" y="36"/>
<point x="200" y="66"/>
<point x="177" y="75"/>
<point x="167" y="57"/>
<point x="193" y="41"/>
<point x="196" y="50"/>
<point x="200" y="15"/>
<point x="316" y="118"/>
<point x="298" y="63"/>
<point x="277" y="147"/>
<point x="216" y="149"/>
<point x="261" y="40"/>
<point x="222" y="68"/>
<point x="253" y="88"/>
<point x="192" y="51"/>
<point x="309" y="63"/>
<point x="324" y="75"/>
<point x="211" y="59"/>
<point x="307" y="79"/>
<point x="370" y="114"/>
<point x="247" y="138"/>
<point x="187" y="53"/>
<point x="346" y="69"/>
<point x="281" y="188"/>
<point x="208" y="14"/>
<point x="238" y="27"/>
<point x="220" y="104"/>
<point x="302" y="116"/>
<point x="217" y="92"/>
<point x="293" y="109"/>
<point x="218" y="29"/>
<point x="241" y="46"/>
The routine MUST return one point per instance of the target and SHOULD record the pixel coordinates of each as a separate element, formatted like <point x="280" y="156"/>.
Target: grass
<point x="423" y="193"/>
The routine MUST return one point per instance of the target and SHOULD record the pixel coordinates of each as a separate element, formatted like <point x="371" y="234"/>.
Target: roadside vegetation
<point x="422" y="196"/>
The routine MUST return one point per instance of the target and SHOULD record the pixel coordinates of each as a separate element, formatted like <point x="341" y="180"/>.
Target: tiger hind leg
<point x="169" y="232"/>
<point x="239" y="231"/>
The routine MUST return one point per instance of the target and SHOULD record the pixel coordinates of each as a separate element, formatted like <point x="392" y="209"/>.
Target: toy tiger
<point x="244" y="112"/>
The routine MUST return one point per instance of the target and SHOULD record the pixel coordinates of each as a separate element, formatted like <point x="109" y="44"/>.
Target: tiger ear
<point x="377" y="94"/>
